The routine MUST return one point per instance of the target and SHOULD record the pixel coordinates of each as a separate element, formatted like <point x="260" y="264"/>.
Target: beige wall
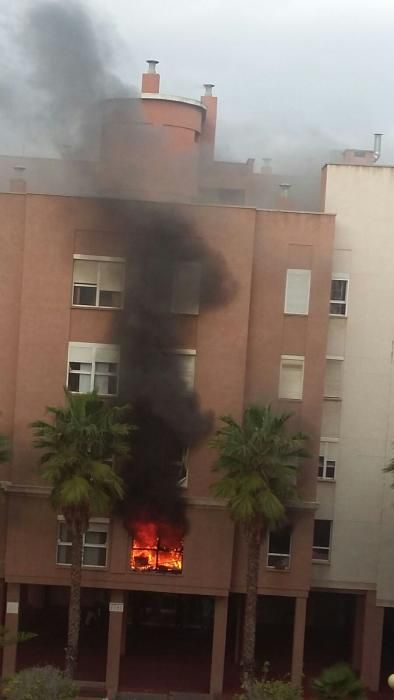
<point x="363" y="540"/>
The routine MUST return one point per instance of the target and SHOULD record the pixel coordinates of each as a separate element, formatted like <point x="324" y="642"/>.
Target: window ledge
<point x="325" y="480"/>
<point x="288" y="313"/>
<point x="97" y="308"/>
<point x="283" y="398"/>
<point x="84" y="567"/>
<point x="332" y="398"/>
<point x="278" y="571"/>
<point x="344" y="316"/>
<point x="321" y="562"/>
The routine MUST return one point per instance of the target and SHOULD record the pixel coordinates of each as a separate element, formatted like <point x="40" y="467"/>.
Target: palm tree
<point x="78" y="447"/>
<point x="338" y="682"/>
<point x="257" y="460"/>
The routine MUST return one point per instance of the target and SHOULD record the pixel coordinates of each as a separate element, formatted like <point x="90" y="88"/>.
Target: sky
<point x="294" y="78"/>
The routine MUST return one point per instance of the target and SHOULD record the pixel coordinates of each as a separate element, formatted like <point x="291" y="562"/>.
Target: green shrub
<point x="270" y="690"/>
<point x="39" y="683"/>
<point x="338" y="683"/>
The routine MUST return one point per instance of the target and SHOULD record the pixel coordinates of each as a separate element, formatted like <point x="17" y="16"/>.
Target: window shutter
<point x="107" y="353"/>
<point x="291" y="378"/>
<point x="80" y="353"/>
<point x="187" y="364"/>
<point x="85" y="271"/>
<point x="333" y="379"/>
<point x="112" y="276"/>
<point x="186" y="288"/>
<point x="331" y="417"/>
<point x="297" y="291"/>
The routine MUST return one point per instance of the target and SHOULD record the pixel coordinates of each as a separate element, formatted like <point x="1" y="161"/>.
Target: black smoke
<point x="69" y="82"/>
<point x="168" y="414"/>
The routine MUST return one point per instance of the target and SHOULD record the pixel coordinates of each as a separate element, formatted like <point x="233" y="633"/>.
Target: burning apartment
<point x="149" y="273"/>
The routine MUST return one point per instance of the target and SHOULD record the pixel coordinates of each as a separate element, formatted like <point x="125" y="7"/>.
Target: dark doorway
<point x="168" y="642"/>
<point x="329" y="630"/>
<point x="44" y="611"/>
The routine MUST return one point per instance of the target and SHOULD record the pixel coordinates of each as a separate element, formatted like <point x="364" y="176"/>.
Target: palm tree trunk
<point x="74" y="610"/>
<point x="249" y="630"/>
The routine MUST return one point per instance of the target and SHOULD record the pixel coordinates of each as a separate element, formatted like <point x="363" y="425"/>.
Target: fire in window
<point x="157" y="547"/>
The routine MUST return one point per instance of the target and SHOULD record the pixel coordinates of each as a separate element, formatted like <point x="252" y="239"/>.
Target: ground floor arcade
<point x="162" y="642"/>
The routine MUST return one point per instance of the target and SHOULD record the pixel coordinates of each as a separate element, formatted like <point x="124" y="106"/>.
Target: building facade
<point x="307" y="329"/>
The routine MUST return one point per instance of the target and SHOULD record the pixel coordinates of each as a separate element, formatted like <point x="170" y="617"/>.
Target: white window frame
<point x="98" y="259"/>
<point x="278" y="556"/>
<point x="342" y="277"/>
<point x="95" y="525"/>
<point x="93" y="347"/>
<point x="301" y="273"/>
<point x="299" y="361"/>
<point x="187" y="351"/>
<point x="175" y="308"/>
<point x="326" y="560"/>
<point x="183" y="462"/>
<point x="327" y="441"/>
<point x="329" y="397"/>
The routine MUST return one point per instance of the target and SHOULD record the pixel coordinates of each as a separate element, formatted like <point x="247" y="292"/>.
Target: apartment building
<point x="304" y="329"/>
<point x="64" y="264"/>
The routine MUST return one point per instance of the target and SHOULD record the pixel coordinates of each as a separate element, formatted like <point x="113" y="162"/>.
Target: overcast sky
<point x="292" y="76"/>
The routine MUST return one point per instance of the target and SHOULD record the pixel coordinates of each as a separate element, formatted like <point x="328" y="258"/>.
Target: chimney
<point x="18" y="182"/>
<point x="377" y="146"/>
<point x="284" y="188"/>
<point x="266" y="167"/>
<point x="208" y="132"/>
<point x="151" y="79"/>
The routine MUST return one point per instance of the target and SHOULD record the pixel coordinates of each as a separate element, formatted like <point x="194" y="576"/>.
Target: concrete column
<point x="297" y="658"/>
<point x="358" y="632"/>
<point x="239" y="628"/>
<point x="371" y="647"/>
<point x="116" y="608"/>
<point x="2" y="601"/>
<point x="12" y="625"/>
<point x="218" y="645"/>
<point x="124" y="625"/>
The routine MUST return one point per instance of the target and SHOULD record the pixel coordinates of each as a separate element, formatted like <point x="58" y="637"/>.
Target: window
<point x="92" y="366"/>
<point x="186" y="360"/>
<point x="98" y="282"/>
<point x="157" y="547"/>
<point x="180" y="464"/>
<point x="339" y="295"/>
<point x="291" y="378"/>
<point x="333" y="378"/>
<point x="279" y="549"/>
<point x="95" y="542"/>
<point x="186" y="288"/>
<point x="321" y="540"/>
<point x="327" y="459"/>
<point x="297" y="292"/>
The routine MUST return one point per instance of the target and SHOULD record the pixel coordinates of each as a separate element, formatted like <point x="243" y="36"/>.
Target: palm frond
<point x="257" y="464"/>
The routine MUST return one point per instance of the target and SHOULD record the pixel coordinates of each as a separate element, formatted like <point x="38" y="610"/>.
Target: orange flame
<point x="156" y="547"/>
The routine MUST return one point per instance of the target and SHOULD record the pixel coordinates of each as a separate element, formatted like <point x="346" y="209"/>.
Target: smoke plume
<point x="69" y="81"/>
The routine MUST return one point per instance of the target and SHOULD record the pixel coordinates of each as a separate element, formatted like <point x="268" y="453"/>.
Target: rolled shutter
<point x="297" y="292"/>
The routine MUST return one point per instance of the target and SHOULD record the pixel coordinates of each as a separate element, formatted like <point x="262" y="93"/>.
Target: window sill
<point x="84" y="567"/>
<point x="332" y="398"/>
<point x="100" y="396"/>
<point x="156" y="573"/>
<point x="344" y="316"/>
<point x="321" y="562"/>
<point x="284" y="398"/>
<point x="97" y="308"/>
<point x="288" y="313"/>
<point x="278" y="571"/>
<point x="326" y="480"/>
